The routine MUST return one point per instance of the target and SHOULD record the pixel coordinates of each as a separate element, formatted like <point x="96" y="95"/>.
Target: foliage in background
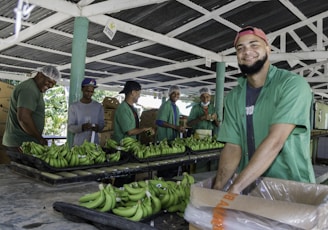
<point x="56" y="111"/>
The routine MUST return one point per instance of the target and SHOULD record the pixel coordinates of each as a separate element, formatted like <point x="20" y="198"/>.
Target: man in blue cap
<point x="86" y="115"/>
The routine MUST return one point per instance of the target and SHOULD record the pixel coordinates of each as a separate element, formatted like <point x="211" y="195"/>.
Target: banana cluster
<point x="102" y="200"/>
<point x="114" y="157"/>
<point x="61" y="156"/>
<point x="138" y="200"/>
<point x="142" y="151"/>
<point x="111" y="144"/>
<point x="195" y="143"/>
<point x="174" y="195"/>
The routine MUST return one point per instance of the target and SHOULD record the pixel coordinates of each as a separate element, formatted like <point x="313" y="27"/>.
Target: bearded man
<point x="266" y="123"/>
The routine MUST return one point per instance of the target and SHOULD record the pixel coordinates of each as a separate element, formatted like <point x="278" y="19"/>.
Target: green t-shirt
<point x="124" y="121"/>
<point x="25" y="95"/>
<point x="166" y="113"/>
<point x="284" y="98"/>
<point x="197" y="111"/>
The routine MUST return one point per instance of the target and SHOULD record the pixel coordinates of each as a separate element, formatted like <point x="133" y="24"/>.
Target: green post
<point x="219" y="95"/>
<point x="79" y="48"/>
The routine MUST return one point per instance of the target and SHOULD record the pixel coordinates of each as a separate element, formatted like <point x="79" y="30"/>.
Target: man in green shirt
<point x="26" y="116"/>
<point x="168" y="117"/>
<point x="266" y="125"/>
<point x="203" y="114"/>
<point x="126" y="119"/>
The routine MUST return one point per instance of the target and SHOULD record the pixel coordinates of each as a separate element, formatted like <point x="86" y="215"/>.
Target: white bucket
<point x="202" y="133"/>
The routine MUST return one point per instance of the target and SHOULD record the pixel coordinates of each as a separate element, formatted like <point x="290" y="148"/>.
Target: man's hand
<point x="87" y="127"/>
<point x="43" y="141"/>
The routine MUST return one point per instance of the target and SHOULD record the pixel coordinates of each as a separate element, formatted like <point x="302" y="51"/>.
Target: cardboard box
<point x="271" y="202"/>
<point x="148" y="119"/>
<point x="110" y="103"/>
<point x="183" y="121"/>
<point x="109" y="125"/>
<point x="4" y="159"/>
<point x="6" y="89"/>
<point x="2" y="128"/>
<point x="3" y="114"/>
<point x="109" y="114"/>
<point x="103" y="136"/>
<point x="5" y="102"/>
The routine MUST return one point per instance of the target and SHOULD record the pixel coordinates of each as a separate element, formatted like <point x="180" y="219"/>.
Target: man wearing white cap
<point x="86" y="116"/>
<point x="266" y="123"/>
<point x="203" y="115"/>
<point x="26" y="116"/>
<point x="168" y="117"/>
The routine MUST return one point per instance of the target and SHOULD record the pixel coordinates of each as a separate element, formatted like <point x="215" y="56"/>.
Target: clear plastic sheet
<point x="268" y="203"/>
<point x="234" y="220"/>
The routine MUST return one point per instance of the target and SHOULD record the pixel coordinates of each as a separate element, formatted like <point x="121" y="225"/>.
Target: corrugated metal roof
<point x="161" y="42"/>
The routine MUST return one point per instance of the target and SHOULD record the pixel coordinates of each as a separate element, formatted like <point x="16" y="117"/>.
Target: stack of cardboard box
<point x="110" y="104"/>
<point x="148" y="119"/>
<point x="5" y="93"/>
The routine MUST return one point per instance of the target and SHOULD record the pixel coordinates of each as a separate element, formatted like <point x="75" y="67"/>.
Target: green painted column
<point x="219" y="95"/>
<point x="79" y="48"/>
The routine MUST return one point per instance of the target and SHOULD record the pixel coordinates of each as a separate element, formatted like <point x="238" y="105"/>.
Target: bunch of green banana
<point x="103" y="200"/>
<point x="138" y="200"/>
<point x="93" y="151"/>
<point x="127" y="143"/>
<point x="195" y="143"/>
<point x="86" y="154"/>
<point x="114" y="157"/>
<point x="187" y="179"/>
<point x="134" y="213"/>
<point x="111" y="144"/>
<point x="54" y="155"/>
<point x="34" y="149"/>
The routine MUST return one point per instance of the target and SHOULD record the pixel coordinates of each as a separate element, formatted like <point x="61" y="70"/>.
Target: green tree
<point x="56" y="111"/>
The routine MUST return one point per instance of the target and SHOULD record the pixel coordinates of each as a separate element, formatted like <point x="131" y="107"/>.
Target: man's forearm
<point x="228" y="163"/>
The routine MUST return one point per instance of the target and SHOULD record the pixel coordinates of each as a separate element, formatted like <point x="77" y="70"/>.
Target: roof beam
<point x="35" y="29"/>
<point x="156" y="37"/>
<point x="61" y="6"/>
<point x="113" y="6"/>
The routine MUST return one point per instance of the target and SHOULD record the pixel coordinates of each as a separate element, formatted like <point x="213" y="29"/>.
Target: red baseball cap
<point x="251" y="30"/>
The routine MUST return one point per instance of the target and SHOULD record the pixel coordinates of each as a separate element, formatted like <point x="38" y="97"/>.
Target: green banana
<point x="165" y="200"/>
<point x="125" y="211"/>
<point x="191" y="179"/>
<point x="130" y="203"/>
<point x="180" y="207"/>
<point x="138" y="196"/>
<point x="142" y="184"/>
<point x="147" y="204"/>
<point x="144" y="210"/>
<point x="138" y="214"/>
<point x="98" y="202"/>
<point x="132" y="190"/>
<point x="112" y="193"/>
<point x="111" y="144"/>
<point x="115" y="157"/>
<point x="108" y="202"/>
<point x="158" y="183"/>
<point x="156" y="204"/>
<point x="89" y="197"/>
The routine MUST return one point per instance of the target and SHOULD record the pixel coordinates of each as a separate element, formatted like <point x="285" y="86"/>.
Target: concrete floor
<point x="27" y="204"/>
